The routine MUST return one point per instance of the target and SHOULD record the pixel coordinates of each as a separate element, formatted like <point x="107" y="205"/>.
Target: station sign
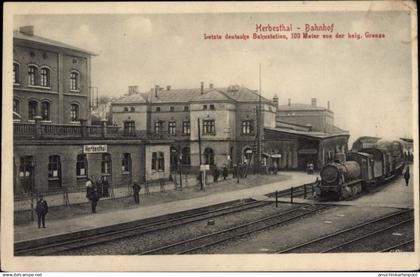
<point x="204" y="167"/>
<point x="93" y="149"/>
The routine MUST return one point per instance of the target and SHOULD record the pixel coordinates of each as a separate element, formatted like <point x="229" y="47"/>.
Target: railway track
<point x="358" y="237"/>
<point x="96" y="236"/>
<point x="205" y="241"/>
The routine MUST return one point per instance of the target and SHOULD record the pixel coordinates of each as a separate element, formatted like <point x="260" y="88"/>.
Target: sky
<point x="368" y="81"/>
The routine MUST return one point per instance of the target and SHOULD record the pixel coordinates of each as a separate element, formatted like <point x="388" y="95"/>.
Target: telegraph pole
<point x="199" y="151"/>
<point x="259" y="124"/>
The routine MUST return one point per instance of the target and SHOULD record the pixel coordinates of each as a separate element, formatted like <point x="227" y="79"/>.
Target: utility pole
<point x="259" y="133"/>
<point x="199" y="151"/>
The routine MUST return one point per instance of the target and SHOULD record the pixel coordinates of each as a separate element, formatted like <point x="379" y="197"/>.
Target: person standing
<point x="41" y="211"/>
<point x="105" y="187"/>
<point x="136" y="193"/>
<point x="225" y="172"/>
<point x="94" y="198"/>
<point x="215" y="174"/>
<point x="407" y="175"/>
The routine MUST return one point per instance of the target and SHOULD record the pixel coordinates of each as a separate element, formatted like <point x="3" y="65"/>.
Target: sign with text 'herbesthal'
<point x="93" y="149"/>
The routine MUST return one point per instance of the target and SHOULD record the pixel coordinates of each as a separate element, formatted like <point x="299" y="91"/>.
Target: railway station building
<point x="55" y="147"/>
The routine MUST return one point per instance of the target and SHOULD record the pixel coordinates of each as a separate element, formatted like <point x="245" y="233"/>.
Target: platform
<point x="90" y="221"/>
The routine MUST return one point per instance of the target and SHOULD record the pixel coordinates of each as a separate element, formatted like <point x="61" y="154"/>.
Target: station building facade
<point x="55" y="147"/>
<point x="225" y="117"/>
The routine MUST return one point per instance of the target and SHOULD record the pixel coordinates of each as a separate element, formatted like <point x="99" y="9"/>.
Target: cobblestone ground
<point x="61" y="212"/>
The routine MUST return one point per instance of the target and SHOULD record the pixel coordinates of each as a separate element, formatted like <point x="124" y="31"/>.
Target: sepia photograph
<point x="206" y="136"/>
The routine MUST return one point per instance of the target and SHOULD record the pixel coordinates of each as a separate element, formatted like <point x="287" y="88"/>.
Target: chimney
<point x="202" y="88"/>
<point x="290" y="102"/>
<point x="313" y="102"/>
<point x="211" y="86"/>
<point x="27" y="30"/>
<point x="156" y="90"/>
<point x="328" y="106"/>
<point x="132" y="90"/>
<point x="276" y="101"/>
<point x="168" y="87"/>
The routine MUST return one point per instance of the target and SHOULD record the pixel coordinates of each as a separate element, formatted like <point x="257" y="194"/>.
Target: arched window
<point x="209" y="156"/>
<point x="81" y="165"/>
<point x="54" y="171"/>
<point x="45" y="77"/>
<point x="74" y="80"/>
<point x="126" y="109"/>
<point x="132" y="109"/>
<point x="74" y="112"/>
<point x="32" y="75"/>
<point x="45" y="110"/>
<point x="247" y="154"/>
<point x="32" y="109"/>
<point x="16" y="73"/>
<point x="186" y="157"/>
<point x="106" y="164"/>
<point x="126" y="163"/>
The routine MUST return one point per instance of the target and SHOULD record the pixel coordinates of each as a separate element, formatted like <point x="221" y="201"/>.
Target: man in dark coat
<point x="225" y="172"/>
<point x="216" y="174"/>
<point x="136" y="192"/>
<point x="407" y="175"/>
<point x="41" y="211"/>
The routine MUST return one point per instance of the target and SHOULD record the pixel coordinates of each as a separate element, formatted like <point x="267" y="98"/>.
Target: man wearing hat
<point x="136" y="191"/>
<point x="41" y="210"/>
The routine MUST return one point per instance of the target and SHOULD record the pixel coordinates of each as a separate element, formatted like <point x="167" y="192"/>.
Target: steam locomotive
<point x="362" y="171"/>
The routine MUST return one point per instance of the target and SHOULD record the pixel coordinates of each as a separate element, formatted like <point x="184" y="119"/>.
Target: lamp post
<point x="180" y="170"/>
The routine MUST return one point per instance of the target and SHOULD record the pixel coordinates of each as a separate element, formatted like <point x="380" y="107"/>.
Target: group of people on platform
<point x="96" y="190"/>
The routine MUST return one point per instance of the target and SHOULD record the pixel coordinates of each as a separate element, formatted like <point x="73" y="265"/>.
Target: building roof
<point x="212" y="95"/>
<point x="38" y="39"/>
<point x="238" y="94"/>
<point x="310" y="134"/>
<point x="300" y="107"/>
<point x="138" y="98"/>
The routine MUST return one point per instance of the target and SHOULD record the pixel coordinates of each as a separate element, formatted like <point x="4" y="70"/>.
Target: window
<point x="45" y="77"/>
<point x="209" y="156"/>
<point x="74" y="112"/>
<point x="204" y="107"/>
<point x="247" y="127"/>
<point x="158" y="109"/>
<point x="129" y="127"/>
<point x="132" y="109"/>
<point x="16" y="73"/>
<point x="74" y="80"/>
<point x="126" y="163"/>
<point x="212" y="107"/>
<point x="158" y="127"/>
<point x="186" y="108"/>
<point x="106" y="166"/>
<point x="54" y="172"/>
<point x="26" y="170"/>
<point x="32" y="75"/>
<point x="45" y="110"/>
<point x="32" y="110"/>
<point x="186" y="128"/>
<point x="186" y="157"/>
<point x="158" y="161"/>
<point x="172" y="109"/>
<point x="126" y="109"/>
<point x="209" y="127"/>
<point x="81" y="165"/>
<point x="172" y="128"/>
<point x="16" y="106"/>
